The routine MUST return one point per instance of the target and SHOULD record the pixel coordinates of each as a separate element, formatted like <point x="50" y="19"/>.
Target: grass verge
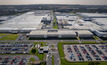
<point x="52" y="59"/>
<point x="55" y="23"/>
<point x="32" y="59"/>
<point x="10" y="37"/>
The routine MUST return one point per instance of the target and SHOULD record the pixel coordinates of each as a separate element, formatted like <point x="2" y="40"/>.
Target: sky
<point x="81" y="2"/>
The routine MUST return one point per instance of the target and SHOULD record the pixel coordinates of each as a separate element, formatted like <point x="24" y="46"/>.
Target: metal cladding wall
<point x="52" y="36"/>
<point x="85" y="35"/>
<point x="59" y="33"/>
<point x="37" y="36"/>
<point x="68" y="36"/>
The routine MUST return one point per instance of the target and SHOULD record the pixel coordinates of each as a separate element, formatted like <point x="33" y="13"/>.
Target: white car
<point x="58" y="60"/>
<point x="51" y="56"/>
<point x="47" y="55"/>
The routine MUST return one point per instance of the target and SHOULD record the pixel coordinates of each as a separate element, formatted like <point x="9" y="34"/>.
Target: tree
<point x="93" y="63"/>
<point x="97" y="63"/>
<point x="33" y="50"/>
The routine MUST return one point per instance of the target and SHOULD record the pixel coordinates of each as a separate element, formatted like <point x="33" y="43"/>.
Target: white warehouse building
<point x="59" y="33"/>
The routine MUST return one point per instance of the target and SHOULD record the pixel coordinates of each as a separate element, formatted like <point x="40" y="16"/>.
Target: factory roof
<point x="59" y="32"/>
<point x="101" y="20"/>
<point x="83" y="25"/>
<point x="27" y="21"/>
<point x="93" y="15"/>
<point x="83" y="32"/>
<point x="66" y="17"/>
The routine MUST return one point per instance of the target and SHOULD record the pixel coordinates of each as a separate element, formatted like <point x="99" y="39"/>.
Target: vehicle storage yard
<point x="92" y="52"/>
<point x="15" y="48"/>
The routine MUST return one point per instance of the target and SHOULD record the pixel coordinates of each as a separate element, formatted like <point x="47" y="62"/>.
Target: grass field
<point x="10" y="37"/>
<point x="97" y="38"/>
<point x="55" y="24"/>
<point x="66" y="62"/>
<point x="1" y="34"/>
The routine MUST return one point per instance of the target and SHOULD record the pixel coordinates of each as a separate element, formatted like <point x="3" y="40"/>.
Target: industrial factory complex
<point x="46" y="37"/>
<point x="38" y="24"/>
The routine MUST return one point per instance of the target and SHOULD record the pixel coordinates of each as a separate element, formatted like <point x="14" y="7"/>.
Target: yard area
<point x="10" y="37"/>
<point x="66" y="62"/>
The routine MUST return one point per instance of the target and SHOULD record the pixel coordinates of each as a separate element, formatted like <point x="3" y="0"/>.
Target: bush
<point x="97" y="63"/>
<point x="93" y="63"/>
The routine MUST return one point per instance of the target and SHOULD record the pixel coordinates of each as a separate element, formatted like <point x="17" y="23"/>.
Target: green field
<point x="1" y="34"/>
<point x="10" y="37"/>
<point x="66" y="62"/>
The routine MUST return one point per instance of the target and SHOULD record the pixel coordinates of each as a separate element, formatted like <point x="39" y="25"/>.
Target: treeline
<point x="14" y="9"/>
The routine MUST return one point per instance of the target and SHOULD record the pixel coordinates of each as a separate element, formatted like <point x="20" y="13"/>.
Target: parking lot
<point x="15" y="48"/>
<point x="14" y="59"/>
<point x="86" y="52"/>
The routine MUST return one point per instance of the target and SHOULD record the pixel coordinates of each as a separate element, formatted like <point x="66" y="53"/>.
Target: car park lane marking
<point x="97" y="53"/>
<point x="101" y="49"/>
<point x="74" y="53"/>
<point x="82" y="53"/>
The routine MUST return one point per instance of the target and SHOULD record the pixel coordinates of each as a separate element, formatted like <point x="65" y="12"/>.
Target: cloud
<point x="88" y="2"/>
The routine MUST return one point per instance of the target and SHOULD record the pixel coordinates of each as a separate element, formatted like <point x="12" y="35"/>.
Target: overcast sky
<point x="84" y="2"/>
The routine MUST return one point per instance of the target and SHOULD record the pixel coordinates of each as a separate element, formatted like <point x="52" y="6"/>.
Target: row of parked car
<point x="71" y="55"/>
<point x="93" y="52"/>
<point x="78" y="53"/>
<point x="104" y="47"/>
<point x="85" y="53"/>
<point x="100" y="52"/>
<point x="13" y="61"/>
<point x="13" y="49"/>
<point x="7" y="48"/>
<point x="16" y="45"/>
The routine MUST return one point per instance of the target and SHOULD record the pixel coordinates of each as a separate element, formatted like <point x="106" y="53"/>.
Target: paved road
<point x="49" y="60"/>
<point x="56" y="57"/>
<point x="53" y="52"/>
